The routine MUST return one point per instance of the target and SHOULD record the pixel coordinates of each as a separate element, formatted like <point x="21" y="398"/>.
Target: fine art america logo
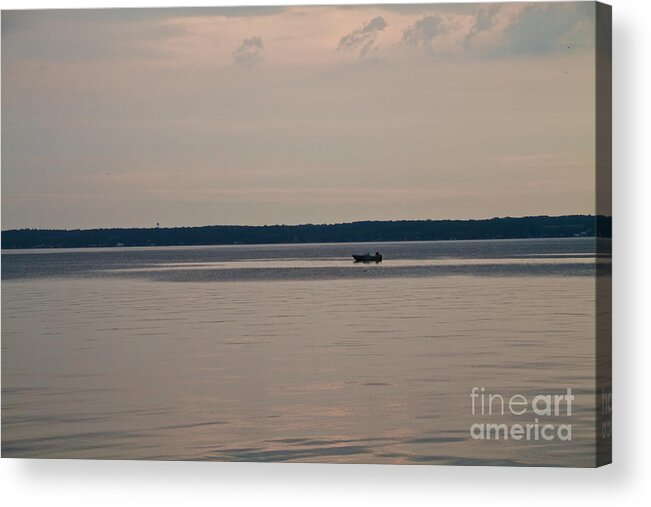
<point x="534" y="411"/>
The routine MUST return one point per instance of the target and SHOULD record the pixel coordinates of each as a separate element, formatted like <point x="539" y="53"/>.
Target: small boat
<point x="367" y="257"/>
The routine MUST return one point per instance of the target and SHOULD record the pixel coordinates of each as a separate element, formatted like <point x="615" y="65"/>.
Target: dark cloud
<point x="484" y="21"/>
<point x="249" y="53"/>
<point x="544" y="28"/>
<point x="423" y="32"/>
<point x="363" y="39"/>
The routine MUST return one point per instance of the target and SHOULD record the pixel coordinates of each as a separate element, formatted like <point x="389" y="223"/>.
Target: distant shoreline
<point x="353" y="232"/>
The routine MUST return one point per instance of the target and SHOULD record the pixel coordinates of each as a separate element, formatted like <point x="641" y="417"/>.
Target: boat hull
<point x="367" y="258"/>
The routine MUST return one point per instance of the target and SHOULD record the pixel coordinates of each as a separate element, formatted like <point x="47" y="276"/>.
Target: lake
<point x="294" y="352"/>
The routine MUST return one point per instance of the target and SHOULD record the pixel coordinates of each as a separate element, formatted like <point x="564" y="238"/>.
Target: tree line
<point x="366" y="231"/>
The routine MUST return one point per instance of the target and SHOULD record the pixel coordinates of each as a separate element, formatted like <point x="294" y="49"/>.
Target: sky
<point x="287" y="115"/>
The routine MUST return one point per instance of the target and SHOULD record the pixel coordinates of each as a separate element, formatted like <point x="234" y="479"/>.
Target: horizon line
<point x="595" y="215"/>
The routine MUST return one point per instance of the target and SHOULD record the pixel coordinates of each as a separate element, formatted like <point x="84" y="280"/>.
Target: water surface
<point x="294" y="352"/>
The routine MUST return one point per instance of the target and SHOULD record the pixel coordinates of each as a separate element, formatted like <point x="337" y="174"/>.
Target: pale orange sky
<point x="300" y="114"/>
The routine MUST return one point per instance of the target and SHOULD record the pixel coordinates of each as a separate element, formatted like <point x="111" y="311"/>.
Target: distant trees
<point x="367" y="231"/>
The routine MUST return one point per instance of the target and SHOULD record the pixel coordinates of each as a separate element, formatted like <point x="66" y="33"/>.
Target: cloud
<point x="484" y="21"/>
<point x="423" y="32"/>
<point x="545" y="28"/>
<point x="363" y="39"/>
<point x="423" y="8"/>
<point x="69" y="35"/>
<point x="249" y="53"/>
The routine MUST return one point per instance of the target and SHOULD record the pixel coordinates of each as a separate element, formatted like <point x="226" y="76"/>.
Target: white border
<point x="627" y="481"/>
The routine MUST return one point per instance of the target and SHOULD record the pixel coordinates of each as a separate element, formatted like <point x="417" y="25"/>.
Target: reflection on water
<point x="293" y="353"/>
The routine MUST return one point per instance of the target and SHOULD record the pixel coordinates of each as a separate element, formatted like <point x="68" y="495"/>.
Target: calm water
<point x="293" y="352"/>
